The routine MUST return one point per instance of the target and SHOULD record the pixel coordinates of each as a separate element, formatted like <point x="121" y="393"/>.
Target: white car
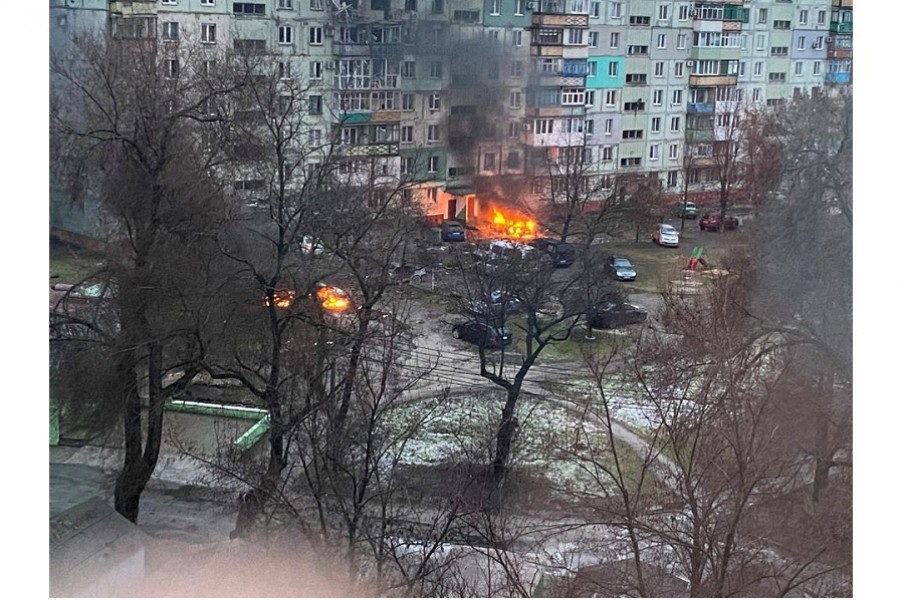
<point x="666" y="235"/>
<point x="311" y="245"/>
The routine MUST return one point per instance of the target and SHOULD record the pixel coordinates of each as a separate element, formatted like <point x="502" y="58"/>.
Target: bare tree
<point x="128" y="133"/>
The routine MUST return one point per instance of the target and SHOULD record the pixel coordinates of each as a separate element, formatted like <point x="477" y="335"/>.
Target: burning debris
<point x="513" y="226"/>
<point x="333" y="299"/>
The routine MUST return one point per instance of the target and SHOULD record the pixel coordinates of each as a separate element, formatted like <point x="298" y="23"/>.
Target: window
<point x="434" y="101"/>
<point x="170" y="31"/>
<point x="614" y="39"/>
<point x="317" y="4"/>
<point x="315" y="105"/>
<point x="606" y="154"/>
<point x="592" y="69"/>
<point x="655" y="125"/>
<point x="172" y="68"/>
<point x="757" y="94"/>
<point x="408" y="165"/>
<point x="494" y="36"/>
<point x="610" y="98"/>
<point x="516" y="68"/>
<point x="572" y="96"/>
<point x="762" y="15"/>
<point x="543" y="126"/>
<point x="589" y="98"/>
<point x="315" y="70"/>
<point x="673" y="151"/>
<point x="663" y="14"/>
<point x="207" y="2"/>
<point x="661" y="40"/>
<point x="804" y="17"/>
<point x="170" y="2"/>
<point x="781" y="24"/>
<point x="615" y="10"/>
<point x="515" y="99"/>
<point x="798" y="68"/>
<point x="821" y="17"/>
<point x="285" y="4"/>
<point x="654" y="151"/>
<point x="638" y="20"/>
<point x="675" y="125"/>
<point x="575" y="37"/>
<point x="285" y="34"/>
<point x="761" y="41"/>
<point x="595" y="9"/>
<point x="676" y="97"/>
<point x="817" y="45"/>
<point x="519" y="7"/>
<point x="608" y="127"/>
<point x="408" y="69"/>
<point x="672" y="179"/>
<point x="757" y="68"/>
<point x="593" y="38"/>
<point x="613" y="69"/>
<point x="208" y="33"/>
<point x="679" y="68"/>
<point x="249" y="8"/>
<point x="437" y="69"/>
<point x="632" y="134"/>
<point x="433" y="160"/>
<point x="513" y="129"/>
<point x="682" y="41"/>
<point x="434" y="133"/>
<point x="657" y="97"/>
<point x="284" y="70"/>
<point x="779" y="51"/>
<point x="636" y="78"/>
<point x="742" y="68"/>
<point x="408" y="101"/>
<point x="683" y="12"/>
<point x="315" y="35"/>
<point x="630" y="162"/>
<point x="801" y="42"/>
<point x="817" y="68"/>
<point x="659" y="69"/>
<point x="517" y="38"/>
<point x="777" y="77"/>
<point x="495" y="7"/>
<point x="637" y="49"/>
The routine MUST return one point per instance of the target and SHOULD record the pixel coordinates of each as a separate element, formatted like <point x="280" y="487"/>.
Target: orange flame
<point x="282" y="298"/>
<point x="513" y="226"/>
<point x="333" y="298"/>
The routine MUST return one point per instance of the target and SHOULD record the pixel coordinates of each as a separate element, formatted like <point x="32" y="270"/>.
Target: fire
<point x="282" y="298"/>
<point x="333" y="298"/>
<point x="514" y="227"/>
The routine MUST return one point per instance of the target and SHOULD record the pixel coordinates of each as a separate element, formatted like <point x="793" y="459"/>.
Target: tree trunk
<point x="506" y="432"/>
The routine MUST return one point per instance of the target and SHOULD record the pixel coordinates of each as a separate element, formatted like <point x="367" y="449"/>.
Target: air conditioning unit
<point x="531" y="5"/>
<point x="689" y="63"/>
<point x="526" y="126"/>
<point x="693" y="12"/>
<point x="828" y="40"/>
<point x="329" y="65"/>
<point x="328" y="30"/>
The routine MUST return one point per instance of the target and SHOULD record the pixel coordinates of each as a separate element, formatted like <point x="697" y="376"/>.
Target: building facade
<point x="478" y="101"/>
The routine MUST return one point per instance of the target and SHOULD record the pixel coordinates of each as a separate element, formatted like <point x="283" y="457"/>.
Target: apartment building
<point x="478" y="101"/>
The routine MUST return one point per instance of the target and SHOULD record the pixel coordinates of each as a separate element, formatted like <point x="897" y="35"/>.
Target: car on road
<point x="502" y="253"/>
<point x="613" y="311"/>
<point x="453" y="231"/>
<point x="562" y="253"/>
<point x="665" y="235"/>
<point x="688" y="210"/>
<point x="710" y="222"/>
<point x="484" y="335"/>
<point x="620" y="268"/>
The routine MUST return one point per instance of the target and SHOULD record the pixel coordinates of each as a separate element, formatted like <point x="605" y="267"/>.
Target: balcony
<point x="549" y="20"/>
<point x="837" y="78"/>
<point x="841" y="27"/>
<point x="342" y="49"/>
<point x="692" y="136"/>
<point x="385" y="149"/>
<point x="842" y="3"/>
<point x="701" y="108"/>
<point x="711" y="80"/>
<point x="840" y="53"/>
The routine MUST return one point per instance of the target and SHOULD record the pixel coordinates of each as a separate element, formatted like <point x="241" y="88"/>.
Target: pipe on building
<point x="249" y="438"/>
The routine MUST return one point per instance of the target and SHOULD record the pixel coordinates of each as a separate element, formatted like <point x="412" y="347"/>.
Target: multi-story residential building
<point x="475" y="101"/>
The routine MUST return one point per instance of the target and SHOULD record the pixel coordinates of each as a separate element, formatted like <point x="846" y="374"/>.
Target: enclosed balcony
<point x="701" y="107"/>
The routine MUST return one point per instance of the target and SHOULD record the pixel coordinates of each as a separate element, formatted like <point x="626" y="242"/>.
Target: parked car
<point x="710" y="222"/>
<point x="453" y="231"/>
<point x="665" y="235"/>
<point x="499" y="253"/>
<point x="613" y="311"/>
<point x="620" y="268"/>
<point x="311" y="245"/>
<point x="485" y="335"/>
<point x="497" y="304"/>
<point x="688" y="210"/>
<point x="562" y="253"/>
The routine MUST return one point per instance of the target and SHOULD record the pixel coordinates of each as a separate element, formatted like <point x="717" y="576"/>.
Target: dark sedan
<point x="620" y="268"/>
<point x="497" y="304"/>
<point x="484" y="335"/>
<point x="614" y="312"/>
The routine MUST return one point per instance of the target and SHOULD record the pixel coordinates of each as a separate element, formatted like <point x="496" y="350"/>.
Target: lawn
<point x="69" y="264"/>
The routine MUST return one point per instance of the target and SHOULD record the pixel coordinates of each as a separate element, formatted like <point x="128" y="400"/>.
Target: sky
<point x="25" y="348"/>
